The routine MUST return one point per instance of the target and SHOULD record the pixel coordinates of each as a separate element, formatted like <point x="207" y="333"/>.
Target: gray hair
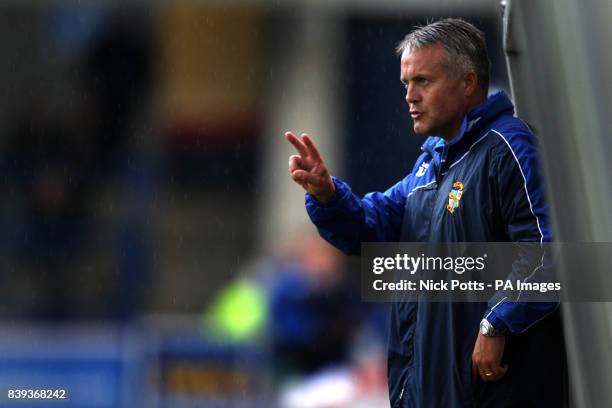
<point x="464" y="43"/>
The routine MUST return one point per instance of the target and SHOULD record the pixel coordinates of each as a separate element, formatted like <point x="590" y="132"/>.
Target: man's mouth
<point x="415" y="114"/>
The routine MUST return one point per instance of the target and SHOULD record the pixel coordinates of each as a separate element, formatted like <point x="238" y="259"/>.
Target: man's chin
<point x="420" y="130"/>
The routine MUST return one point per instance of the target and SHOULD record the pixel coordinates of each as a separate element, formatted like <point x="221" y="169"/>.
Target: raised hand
<point x="308" y="169"/>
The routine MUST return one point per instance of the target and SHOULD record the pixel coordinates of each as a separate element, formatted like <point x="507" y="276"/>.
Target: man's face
<point x="437" y="102"/>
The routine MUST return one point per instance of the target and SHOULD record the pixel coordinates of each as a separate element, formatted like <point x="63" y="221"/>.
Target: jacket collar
<point x="476" y="119"/>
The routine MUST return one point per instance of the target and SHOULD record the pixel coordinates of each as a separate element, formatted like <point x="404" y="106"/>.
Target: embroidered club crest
<point x="454" y="196"/>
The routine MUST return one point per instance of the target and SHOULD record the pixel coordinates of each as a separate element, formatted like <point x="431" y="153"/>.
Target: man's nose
<point x="412" y="95"/>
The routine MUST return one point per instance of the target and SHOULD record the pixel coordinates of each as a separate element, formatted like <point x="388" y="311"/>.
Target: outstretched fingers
<point x="297" y="143"/>
<point x="305" y="146"/>
<point x="312" y="149"/>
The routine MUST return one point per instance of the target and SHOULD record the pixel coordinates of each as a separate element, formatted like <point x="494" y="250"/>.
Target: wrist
<point x="328" y="195"/>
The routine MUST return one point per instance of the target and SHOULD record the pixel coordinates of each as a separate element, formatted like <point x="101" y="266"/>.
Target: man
<point x="437" y="355"/>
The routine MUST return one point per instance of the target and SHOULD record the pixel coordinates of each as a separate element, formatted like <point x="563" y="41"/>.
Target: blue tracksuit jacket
<point x="430" y="344"/>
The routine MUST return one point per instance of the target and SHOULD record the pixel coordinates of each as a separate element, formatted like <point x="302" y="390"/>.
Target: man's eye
<point x="423" y="81"/>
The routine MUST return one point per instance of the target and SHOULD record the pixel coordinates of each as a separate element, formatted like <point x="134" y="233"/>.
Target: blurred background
<point x="153" y="250"/>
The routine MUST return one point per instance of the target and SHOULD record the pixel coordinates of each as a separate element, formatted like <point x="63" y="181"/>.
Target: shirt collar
<point x="441" y="142"/>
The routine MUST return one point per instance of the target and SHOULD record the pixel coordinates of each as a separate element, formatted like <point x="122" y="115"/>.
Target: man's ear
<point x="471" y="83"/>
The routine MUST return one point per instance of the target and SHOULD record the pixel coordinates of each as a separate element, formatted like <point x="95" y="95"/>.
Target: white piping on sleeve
<point x="488" y="314"/>
<point x="539" y="229"/>
<point x="525" y="183"/>
<point x="532" y="323"/>
<point x="530" y="275"/>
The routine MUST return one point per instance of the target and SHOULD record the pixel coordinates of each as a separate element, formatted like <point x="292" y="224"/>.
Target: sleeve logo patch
<point x="422" y="169"/>
<point x="454" y="196"/>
